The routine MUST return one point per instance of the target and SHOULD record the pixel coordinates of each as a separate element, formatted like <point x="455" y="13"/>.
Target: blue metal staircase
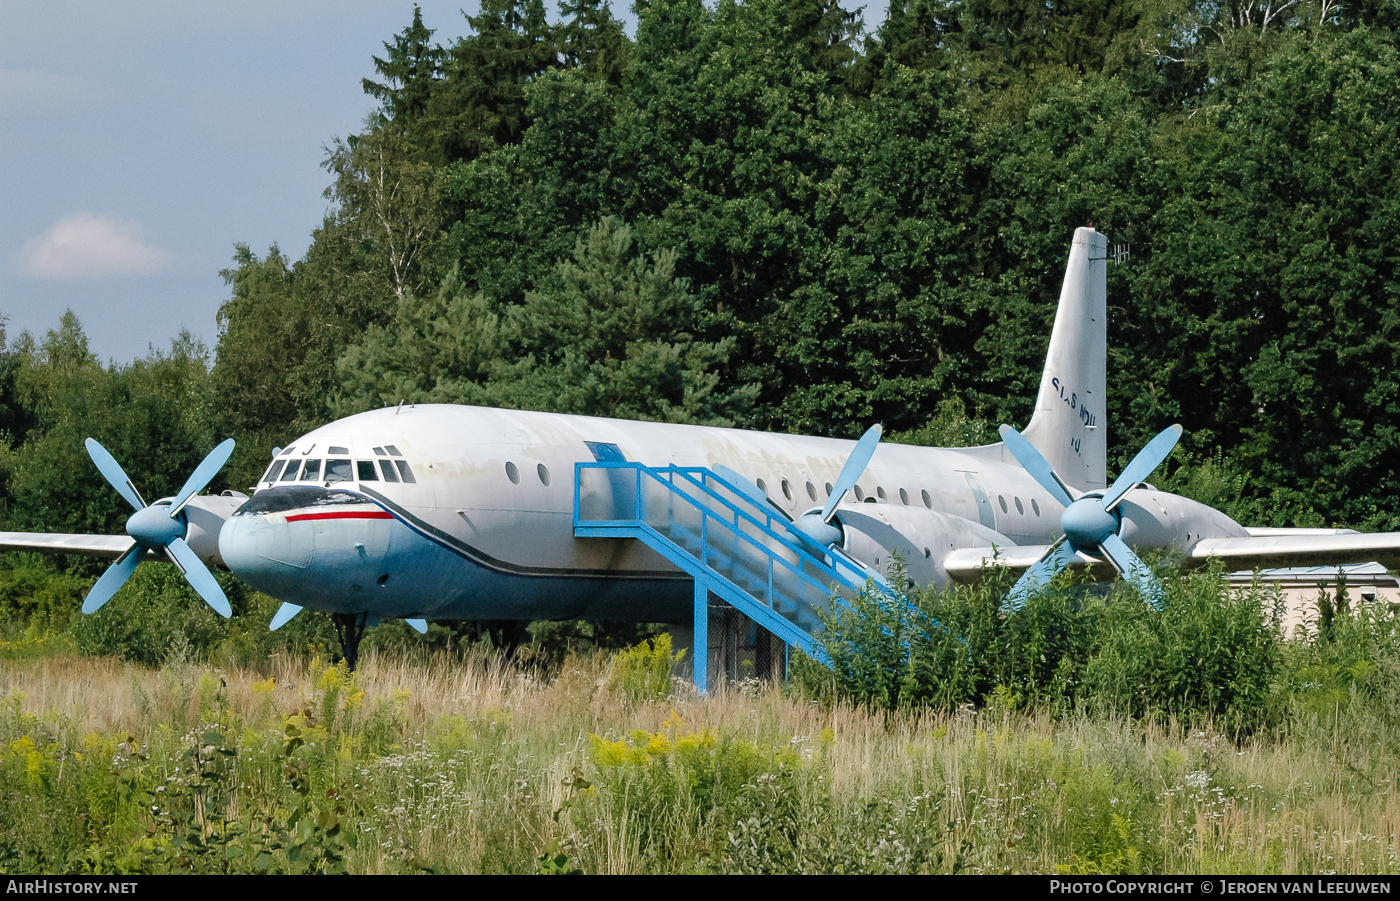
<point x="742" y="551"/>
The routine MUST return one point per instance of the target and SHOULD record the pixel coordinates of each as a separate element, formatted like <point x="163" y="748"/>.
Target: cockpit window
<point x="311" y="471"/>
<point x="338" y="450"/>
<point x="365" y="469"/>
<point x="393" y="451"/>
<point x="291" y="474"/>
<point x="288" y="451"/>
<point x="273" y="471"/>
<point x="339" y="471"/>
<point x="390" y="474"/>
<point x="379" y="451"/>
<point x="406" y="472"/>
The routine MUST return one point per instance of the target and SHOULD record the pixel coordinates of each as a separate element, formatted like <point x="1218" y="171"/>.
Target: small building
<point x="1299" y="586"/>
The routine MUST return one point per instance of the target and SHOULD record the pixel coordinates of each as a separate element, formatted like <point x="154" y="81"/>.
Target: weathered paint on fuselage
<point x="467" y="541"/>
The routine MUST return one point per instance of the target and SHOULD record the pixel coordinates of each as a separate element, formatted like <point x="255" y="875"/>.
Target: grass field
<point x="422" y="761"/>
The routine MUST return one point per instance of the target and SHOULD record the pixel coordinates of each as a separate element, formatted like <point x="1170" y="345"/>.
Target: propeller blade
<point x="113" y="579"/>
<point x="199" y="576"/>
<point x="736" y="480"/>
<point x="284" y="613"/>
<point x="203" y="473"/>
<point x="853" y="470"/>
<point x="1131" y="567"/>
<point x="419" y="625"/>
<point x="1147" y="459"/>
<point x="1038" y="576"/>
<point x="1035" y="464"/>
<point x="114" y="474"/>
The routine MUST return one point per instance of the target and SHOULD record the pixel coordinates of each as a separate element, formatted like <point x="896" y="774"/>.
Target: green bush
<point x="643" y="673"/>
<point x="1211" y="652"/>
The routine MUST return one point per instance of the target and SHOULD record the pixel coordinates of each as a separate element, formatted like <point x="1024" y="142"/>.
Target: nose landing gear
<point x="350" y="629"/>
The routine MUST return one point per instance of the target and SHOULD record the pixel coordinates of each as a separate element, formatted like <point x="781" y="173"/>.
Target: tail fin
<point x="1069" y="426"/>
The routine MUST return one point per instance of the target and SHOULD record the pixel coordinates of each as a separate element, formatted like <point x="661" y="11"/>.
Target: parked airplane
<point x="465" y="513"/>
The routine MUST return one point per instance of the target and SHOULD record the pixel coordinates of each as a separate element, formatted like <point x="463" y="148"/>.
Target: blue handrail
<point x="734" y="538"/>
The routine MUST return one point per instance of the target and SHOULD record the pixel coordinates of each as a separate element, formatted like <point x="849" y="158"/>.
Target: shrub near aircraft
<point x="465" y="513"/>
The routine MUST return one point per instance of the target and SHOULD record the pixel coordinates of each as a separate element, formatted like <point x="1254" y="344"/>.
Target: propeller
<point x="1089" y="522"/>
<point x="816" y="525"/>
<point x="158" y="527"/>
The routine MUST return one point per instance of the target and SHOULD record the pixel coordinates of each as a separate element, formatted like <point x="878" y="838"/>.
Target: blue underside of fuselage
<point x="388" y="566"/>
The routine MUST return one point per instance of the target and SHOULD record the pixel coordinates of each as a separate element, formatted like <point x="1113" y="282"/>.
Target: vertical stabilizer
<point x="1069" y="427"/>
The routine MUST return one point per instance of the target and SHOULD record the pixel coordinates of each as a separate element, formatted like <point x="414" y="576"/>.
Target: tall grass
<point x="1087" y="733"/>
<point x="429" y="762"/>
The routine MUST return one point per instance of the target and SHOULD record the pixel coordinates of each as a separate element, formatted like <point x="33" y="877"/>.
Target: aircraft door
<point x="985" y="515"/>
<point x="607" y="494"/>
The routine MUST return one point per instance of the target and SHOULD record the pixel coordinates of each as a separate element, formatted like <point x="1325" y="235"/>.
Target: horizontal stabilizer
<point x="1280" y="549"/>
<point x="108" y="546"/>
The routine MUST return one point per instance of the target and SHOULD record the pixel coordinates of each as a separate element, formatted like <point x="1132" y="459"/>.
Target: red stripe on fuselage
<point x="343" y="514"/>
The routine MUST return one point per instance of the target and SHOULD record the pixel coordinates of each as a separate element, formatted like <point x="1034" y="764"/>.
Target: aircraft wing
<point x="108" y="546"/>
<point x="1277" y="549"/>
<point x="966" y="564"/>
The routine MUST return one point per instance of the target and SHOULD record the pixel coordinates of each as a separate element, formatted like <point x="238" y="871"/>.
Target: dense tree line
<point x="756" y="214"/>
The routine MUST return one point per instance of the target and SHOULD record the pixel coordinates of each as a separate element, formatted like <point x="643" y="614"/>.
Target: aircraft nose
<point x="265" y="553"/>
<point x="313" y="547"/>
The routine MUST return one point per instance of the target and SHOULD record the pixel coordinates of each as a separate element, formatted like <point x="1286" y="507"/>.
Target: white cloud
<point x="86" y="246"/>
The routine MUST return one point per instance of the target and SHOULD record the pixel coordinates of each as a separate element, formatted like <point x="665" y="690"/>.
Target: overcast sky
<point x="140" y="141"/>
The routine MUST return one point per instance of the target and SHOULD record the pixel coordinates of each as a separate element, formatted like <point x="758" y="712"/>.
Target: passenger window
<point x="904" y="497"/>
<point x="311" y="472"/>
<point x="366" y="470"/>
<point x="291" y="474"/>
<point x="339" y="471"/>
<point x="406" y="472"/>
<point x="273" y="471"/>
<point x="928" y="501"/>
<point x="387" y="467"/>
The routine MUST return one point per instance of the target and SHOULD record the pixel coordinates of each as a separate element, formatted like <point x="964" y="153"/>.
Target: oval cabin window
<point x="513" y="474"/>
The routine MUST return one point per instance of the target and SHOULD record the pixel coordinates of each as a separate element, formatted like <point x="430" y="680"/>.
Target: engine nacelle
<point x="922" y="538"/>
<point x="1157" y="521"/>
<point x="205" y="516"/>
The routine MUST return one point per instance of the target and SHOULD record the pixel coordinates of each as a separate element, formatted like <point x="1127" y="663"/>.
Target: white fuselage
<point x="485" y="530"/>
